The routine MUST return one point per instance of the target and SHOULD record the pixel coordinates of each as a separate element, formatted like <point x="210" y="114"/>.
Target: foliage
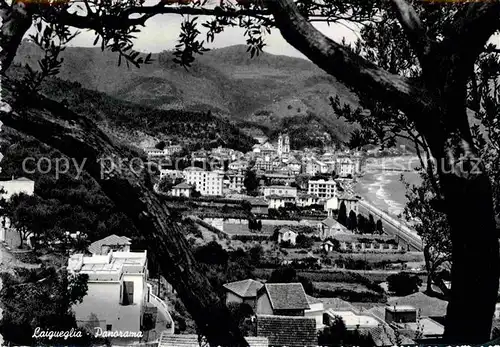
<point x="302" y="241"/>
<point x="40" y="298"/>
<point x="242" y="313"/>
<point x="65" y="201"/>
<point x="404" y="283"/>
<point x="250" y="181"/>
<point x="336" y="335"/>
<point x="352" y="221"/>
<point x="167" y="183"/>
<point x="222" y="267"/>
<point x="432" y="226"/>
<point x="287" y="274"/>
<point x="342" y="217"/>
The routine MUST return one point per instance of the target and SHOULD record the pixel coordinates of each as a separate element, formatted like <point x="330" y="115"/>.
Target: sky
<point x="161" y="33"/>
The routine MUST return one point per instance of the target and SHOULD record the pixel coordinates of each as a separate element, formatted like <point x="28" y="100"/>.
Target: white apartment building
<point x="322" y="189"/>
<point x="171" y="173"/>
<point x="117" y="290"/>
<point x="154" y="152"/>
<point x="239" y="165"/>
<point x="280" y="191"/>
<point x="208" y="183"/>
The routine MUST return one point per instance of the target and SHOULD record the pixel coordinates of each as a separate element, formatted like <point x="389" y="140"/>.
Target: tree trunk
<point x="16" y="20"/>
<point x="128" y="185"/>
<point x="475" y="258"/>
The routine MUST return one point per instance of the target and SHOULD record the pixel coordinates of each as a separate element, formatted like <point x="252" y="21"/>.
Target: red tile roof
<point x="111" y="240"/>
<point x="288" y="331"/>
<point x="245" y="288"/>
<point x="286" y="296"/>
<point x="167" y="340"/>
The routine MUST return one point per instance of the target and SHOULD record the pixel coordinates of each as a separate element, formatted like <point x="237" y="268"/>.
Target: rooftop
<point x="245" y="288"/>
<point x="353" y="320"/>
<point x="280" y="187"/>
<point x="400" y="308"/>
<point x="286" y="296"/>
<point x="287" y="330"/>
<point x="331" y="223"/>
<point x="167" y="340"/>
<point x="108" y="267"/>
<point x="428" y="306"/>
<point x="279" y="197"/>
<point x="183" y="185"/>
<point x="111" y="240"/>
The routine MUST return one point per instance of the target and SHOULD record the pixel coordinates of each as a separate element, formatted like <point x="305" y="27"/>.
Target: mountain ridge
<point x="265" y="94"/>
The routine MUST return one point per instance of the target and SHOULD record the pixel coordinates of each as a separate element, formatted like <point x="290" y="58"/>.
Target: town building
<point x="259" y="206"/>
<point x="170" y="173"/>
<point x="153" y="152"/>
<point x="244" y="291"/>
<point x="264" y="164"/>
<point x="13" y="186"/>
<point x="351" y="203"/>
<point x="353" y="320"/>
<point x="347" y="166"/>
<point x="407" y="318"/>
<point x="285" y="299"/>
<point x="284" y="177"/>
<point x="239" y="165"/>
<point x="208" y="183"/>
<point x="110" y="243"/>
<point x="283" y="144"/>
<point x="233" y="181"/>
<point x="182" y="189"/>
<point x="304" y="200"/>
<point x="172" y="149"/>
<point x="328" y="246"/>
<point x="316" y="310"/>
<point x="280" y="191"/>
<point x="330" y="228"/>
<point x="323" y="189"/>
<point x="287" y="235"/>
<point x="117" y="290"/>
<point x="313" y="167"/>
<point x="277" y="201"/>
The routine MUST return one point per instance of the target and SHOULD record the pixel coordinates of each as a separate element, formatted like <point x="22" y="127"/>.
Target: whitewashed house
<point x="117" y="290"/>
<point x="286" y="234"/>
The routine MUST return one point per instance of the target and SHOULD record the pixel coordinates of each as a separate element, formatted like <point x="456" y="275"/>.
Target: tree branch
<point x="16" y="20"/>
<point x="342" y="63"/>
<point x="472" y="28"/>
<point x="410" y="21"/>
<point x="129" y="187"/>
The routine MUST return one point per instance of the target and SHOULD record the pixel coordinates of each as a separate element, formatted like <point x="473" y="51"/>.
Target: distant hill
<point x="141" y="125"/>
<point x="268" y="93"/>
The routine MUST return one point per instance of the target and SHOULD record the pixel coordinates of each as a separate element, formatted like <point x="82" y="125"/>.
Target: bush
<point x="404" y="283"/>
<point x="246" y="238"/>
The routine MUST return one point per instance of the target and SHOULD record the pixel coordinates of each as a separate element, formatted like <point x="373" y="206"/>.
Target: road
<point x="392" y="226"/>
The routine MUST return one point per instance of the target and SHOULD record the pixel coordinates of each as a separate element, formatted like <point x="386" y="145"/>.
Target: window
<point x="109" y="327"/>
<point x="128" y="293"/>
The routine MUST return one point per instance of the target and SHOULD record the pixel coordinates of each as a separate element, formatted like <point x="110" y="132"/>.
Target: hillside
<point x="267" y="94"/>
<point x="141" y="125"/>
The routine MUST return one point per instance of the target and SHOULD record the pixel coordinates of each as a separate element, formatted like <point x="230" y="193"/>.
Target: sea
<point x="381" y="183"/>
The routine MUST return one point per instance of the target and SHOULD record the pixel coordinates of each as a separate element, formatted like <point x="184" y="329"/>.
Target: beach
<point x="383" y="187"/>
